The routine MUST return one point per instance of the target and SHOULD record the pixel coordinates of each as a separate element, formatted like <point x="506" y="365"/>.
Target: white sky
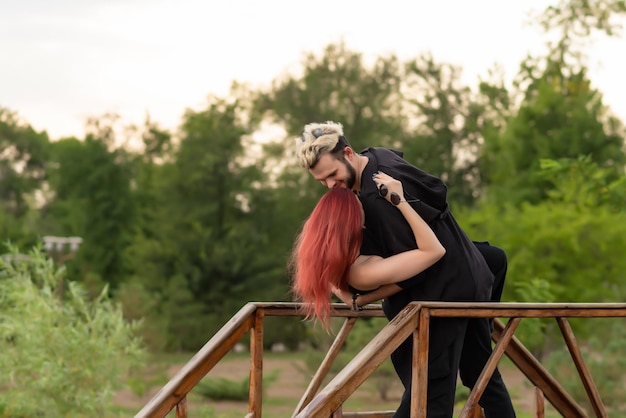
<point x="62" y="61"/>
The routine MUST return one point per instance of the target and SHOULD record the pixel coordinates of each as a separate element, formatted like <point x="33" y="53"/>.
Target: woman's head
<point x="325" y="249"/>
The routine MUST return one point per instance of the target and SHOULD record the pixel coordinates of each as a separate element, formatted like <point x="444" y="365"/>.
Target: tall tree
<point x="335" y="85"/>
<point x="561" y="115"/>
<point x="23" y="156"/>
<point x="207" y="240"/>
<point x="91" y="181"/>
<point x="339" y="86"/>
<point x="447" y="122"/>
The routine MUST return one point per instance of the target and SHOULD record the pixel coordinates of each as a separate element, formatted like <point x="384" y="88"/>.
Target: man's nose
<point x="331" y="183"/>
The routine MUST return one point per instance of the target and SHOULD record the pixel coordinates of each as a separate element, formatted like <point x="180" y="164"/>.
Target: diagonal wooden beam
<point x="326" y="364"/>
<point x="488" y="369"/>
<point x="581" y="366"/>
<point x="539" y="375"/>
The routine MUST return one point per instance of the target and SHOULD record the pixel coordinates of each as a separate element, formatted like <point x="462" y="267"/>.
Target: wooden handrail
<point x="196" y="368"/>
<point x="413" y="320"/>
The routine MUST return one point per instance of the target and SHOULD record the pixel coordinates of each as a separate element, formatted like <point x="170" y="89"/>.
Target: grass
<point x="283" y="394"/>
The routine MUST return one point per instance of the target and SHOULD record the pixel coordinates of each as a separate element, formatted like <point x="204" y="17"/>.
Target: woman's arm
<point x="381" y="293"/>
<point x="371" y="272"/>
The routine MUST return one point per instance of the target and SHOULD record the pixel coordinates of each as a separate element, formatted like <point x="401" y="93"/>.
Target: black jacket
<point x="462" y="274"/>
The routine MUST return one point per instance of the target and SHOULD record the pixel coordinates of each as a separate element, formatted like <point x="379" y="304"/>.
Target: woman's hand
<point x="392" y="186"/>
<point x="344" y="295"/>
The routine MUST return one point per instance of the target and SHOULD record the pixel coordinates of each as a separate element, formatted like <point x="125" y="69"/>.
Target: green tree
<point x="91" y="181"/>
<point x="23" y="155"/>
<point x="561" y="119"/>
<point x="207" y="245"/>
<point x="334" y="85"/>
<point x="339" y="86"/>
<point x="560" y="114"/>
<point x="22" y="161"/>
<point x="567" y="248"/>
<point x="157" y="147"/>
<point x="448" y="119"/>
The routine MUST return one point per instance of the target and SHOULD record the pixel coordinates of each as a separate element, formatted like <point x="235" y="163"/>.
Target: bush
<point x="60" y="358"/>
<point x="222" y="389"/>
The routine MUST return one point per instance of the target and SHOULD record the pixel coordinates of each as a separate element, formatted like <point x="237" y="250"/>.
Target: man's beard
<point x="351" y="179"/>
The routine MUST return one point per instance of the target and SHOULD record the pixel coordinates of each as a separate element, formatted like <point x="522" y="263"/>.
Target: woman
<point x="326" y="254"/>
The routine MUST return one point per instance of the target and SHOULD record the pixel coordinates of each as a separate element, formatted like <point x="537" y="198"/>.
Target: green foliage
<point x="63" y="358"/>
<point x="202" y="248"/>
<point x="94" y="201"/>
<point x="559" y="114"/>
<point x="141" y="305"/>
<point x="23" y="156"/>
<point x="222" y="389"/>
<point x="576" y="20"/>
<point x="337" y="85"/>
<point x="568" y="248"/>
<point x="290" y="331"/>
<point x="561" y="118"/>
<point x="581" y="182"/>
<point x="446" y="140"/>
<point x="11" y="229"/>
<point x="561" y="248"/>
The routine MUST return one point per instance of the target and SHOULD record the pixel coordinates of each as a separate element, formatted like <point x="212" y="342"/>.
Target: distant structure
<point x="61" y="249"/>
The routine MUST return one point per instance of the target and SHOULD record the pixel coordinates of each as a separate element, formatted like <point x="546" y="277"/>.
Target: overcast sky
<point x="62" y="61"/>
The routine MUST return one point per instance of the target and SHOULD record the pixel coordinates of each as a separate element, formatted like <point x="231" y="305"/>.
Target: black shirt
<point x="462" y="273"/>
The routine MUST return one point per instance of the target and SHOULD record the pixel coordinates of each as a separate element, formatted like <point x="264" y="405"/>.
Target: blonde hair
<point x="316" y="140"/>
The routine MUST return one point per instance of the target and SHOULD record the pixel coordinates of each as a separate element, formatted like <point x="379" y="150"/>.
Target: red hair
<point x="325" y="249"/>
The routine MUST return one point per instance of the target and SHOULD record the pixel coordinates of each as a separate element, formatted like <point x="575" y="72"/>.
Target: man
<point x="461" y="275"/>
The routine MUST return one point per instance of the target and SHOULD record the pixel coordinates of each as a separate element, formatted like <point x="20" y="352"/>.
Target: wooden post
<point x="181" y="408"/>
<point x="255" y="398"/>
<point x="540" y="409"/>
<point x="419" y="382"/>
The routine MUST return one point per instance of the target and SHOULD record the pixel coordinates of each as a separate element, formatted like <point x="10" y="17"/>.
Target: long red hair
<point x="325" y="249"/>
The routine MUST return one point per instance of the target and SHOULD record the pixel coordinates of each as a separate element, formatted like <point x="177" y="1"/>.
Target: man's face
<point x="332" y="172"/>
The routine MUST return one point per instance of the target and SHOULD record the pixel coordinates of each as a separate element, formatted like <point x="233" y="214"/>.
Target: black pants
<point x="443" y="367"/>
<point x="465" y="352"/>
<point x="495" y="401"/>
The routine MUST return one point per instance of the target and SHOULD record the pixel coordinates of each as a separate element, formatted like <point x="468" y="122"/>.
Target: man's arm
<point x="382" y="292"/>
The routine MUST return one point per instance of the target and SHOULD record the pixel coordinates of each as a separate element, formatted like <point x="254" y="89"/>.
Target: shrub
<point x="222" y="389"/>
<point x="63" y="358"/>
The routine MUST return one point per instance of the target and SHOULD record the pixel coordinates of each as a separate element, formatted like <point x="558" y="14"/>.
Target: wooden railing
<point x="413" y="321"/>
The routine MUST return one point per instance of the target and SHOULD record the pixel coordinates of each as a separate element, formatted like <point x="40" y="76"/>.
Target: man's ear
<point x="348" y="152"/>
